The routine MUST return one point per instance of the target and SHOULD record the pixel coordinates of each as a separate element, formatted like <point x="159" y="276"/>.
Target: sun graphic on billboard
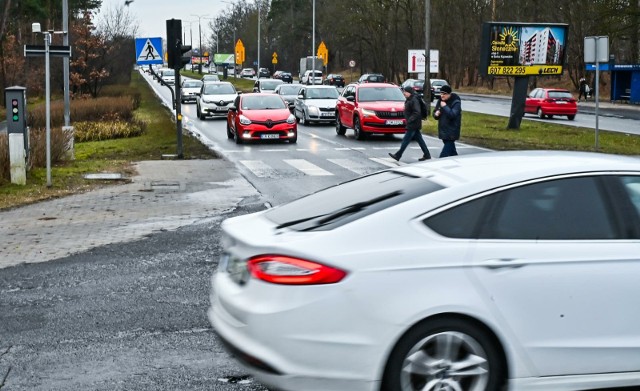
<point x="509" y="37"/>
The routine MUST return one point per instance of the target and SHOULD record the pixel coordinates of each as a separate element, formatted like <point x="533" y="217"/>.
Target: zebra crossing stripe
<point x="260" y="169"/>
<point x="352" y="166"/>
<point x="386" y="161"/>
<point x="307" y="167"/>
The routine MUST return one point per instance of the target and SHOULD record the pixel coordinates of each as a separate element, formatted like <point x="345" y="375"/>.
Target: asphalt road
<point x="119" y="317"/>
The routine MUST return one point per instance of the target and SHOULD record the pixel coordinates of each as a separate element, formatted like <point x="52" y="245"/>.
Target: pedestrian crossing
<point x="303" y="167"/>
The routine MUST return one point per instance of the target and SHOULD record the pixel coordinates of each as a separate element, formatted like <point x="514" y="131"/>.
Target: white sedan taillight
<point x="285" y="270"/>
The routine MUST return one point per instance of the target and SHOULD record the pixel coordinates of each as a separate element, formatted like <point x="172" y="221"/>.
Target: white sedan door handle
<point x="500" y="263"/>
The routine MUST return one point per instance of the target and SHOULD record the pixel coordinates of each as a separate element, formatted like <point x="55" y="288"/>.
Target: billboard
<point x="521" y="49"/>
<point x="416" y="61"/>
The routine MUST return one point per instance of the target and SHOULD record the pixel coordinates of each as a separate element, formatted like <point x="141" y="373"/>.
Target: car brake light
<point x="284" y="270"/>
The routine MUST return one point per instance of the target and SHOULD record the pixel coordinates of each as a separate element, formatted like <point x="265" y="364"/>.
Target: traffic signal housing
<point x="15" y="98"/>
<point x="175" y="48"/>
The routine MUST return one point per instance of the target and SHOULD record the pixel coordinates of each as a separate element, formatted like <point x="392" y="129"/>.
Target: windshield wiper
<point x="352" y="209"/>
<point x="329" y="217"/>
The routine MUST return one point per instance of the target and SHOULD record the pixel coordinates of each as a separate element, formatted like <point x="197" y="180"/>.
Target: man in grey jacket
<point x="448" y="112"/>
<point x="413" y="115"/>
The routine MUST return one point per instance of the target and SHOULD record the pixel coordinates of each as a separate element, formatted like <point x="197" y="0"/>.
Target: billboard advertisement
<point x="521" y="49"/>
<point x="416" y="61"/>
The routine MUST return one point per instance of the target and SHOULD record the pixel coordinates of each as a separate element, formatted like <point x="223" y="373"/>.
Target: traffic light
<point x="15" y="110"/>
<point x="175" y="48"/>
<point x="15" y="98"/>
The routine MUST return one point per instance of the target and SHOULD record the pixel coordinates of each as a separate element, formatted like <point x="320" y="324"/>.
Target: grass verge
<point x="491" y="132"/>
<point x="112" y="156"/>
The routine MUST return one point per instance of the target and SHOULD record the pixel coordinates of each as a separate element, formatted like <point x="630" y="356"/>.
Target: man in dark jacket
<point x="448" y="112"/>
<point x="413" y="115"/>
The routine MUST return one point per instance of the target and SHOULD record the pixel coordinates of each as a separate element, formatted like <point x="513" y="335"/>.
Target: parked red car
<point x="370" y="108"/>
<point x="547" y="102"/>
<point x="260" y="116"/>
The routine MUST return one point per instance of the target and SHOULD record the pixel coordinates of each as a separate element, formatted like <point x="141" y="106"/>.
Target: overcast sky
<point x="152" y="15"/>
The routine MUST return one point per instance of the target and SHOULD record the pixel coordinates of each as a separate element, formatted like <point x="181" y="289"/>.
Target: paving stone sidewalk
<point x="165" y="195"/>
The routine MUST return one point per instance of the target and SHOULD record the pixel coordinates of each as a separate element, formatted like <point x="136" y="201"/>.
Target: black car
<point x="418" y="87"/>
<point x="286" y="77"/>
<point x="333" y="79"/>
<point x="372" y="78"/>
<point x="263" y="72"/>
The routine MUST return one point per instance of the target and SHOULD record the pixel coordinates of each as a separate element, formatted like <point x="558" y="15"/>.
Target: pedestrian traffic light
<point x="175" y="48"/>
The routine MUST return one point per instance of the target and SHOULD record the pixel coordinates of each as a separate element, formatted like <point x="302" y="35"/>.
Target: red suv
<point x="370" y="108"/>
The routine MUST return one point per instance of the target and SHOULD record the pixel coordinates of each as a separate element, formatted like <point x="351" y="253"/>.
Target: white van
<point x="169" y="76"/>
<point x="307" y="78"/>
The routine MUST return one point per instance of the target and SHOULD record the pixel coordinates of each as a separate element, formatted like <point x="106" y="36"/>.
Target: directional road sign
<point x="40" y="50"/>
<point x="149" y="51"/>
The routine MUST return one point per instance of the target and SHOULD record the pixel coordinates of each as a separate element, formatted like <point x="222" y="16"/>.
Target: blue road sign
<point x="149" y="51"/>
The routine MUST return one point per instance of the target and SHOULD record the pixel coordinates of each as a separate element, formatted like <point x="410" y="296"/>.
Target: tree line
<point x="376" y="34"/>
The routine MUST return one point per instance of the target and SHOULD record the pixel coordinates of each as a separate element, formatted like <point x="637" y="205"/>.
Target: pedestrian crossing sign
<point x="149" y="51"/>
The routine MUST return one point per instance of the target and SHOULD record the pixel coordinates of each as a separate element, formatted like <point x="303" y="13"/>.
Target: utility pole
<point x="258" y="2"/>
<point x="426" y="88"/>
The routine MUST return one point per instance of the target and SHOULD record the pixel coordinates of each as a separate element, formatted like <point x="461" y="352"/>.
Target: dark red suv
<point x="370" y="108"/>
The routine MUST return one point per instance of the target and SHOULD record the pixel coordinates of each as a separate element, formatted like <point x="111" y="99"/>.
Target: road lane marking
<point x="387" y="161"/>
<point x="307" y="167"/>
<point x="260" y="168"/>
<point x="353" y="166"/>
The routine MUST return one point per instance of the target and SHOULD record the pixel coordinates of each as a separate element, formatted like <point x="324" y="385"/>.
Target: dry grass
<point x="4" y="157"/>
<point x="60" y="143"/>
<point x="99" y="109"/>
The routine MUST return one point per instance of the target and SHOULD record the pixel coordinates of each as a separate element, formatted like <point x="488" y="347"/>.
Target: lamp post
<point x="313" y="43"/>
<point x="258" y="4"/>
<point x="233" y="44"/>
<point x="200" y="41"/>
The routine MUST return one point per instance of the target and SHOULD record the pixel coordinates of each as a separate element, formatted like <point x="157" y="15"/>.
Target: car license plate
<point x="394" y="122"/>
<point x="327" y="114"/>
<point x="561" y="102"/>
<point x="222" y="108"/>
<point x="270" y="135"/>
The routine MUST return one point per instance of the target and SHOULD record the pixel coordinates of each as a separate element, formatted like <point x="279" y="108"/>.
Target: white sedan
<point x="477" y="272"/>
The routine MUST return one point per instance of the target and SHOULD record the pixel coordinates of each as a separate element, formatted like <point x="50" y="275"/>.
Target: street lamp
<point x="233" y="44"/>
<point x="258" y="5"/>
<point x="200" y="41"/>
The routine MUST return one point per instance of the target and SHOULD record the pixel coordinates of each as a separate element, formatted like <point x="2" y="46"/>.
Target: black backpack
<point x="423" y="108"/>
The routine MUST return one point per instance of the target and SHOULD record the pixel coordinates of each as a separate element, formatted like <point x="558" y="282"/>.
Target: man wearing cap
<point x="413" y="115"/>
<point x="448" y="112"/>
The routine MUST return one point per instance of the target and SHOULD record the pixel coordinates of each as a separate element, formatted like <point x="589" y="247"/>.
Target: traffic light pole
<point x="175" y="50"/>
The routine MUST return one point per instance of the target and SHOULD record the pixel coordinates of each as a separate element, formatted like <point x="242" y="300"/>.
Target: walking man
<point x="448" y="112"/>
<point x="413" y="115"/>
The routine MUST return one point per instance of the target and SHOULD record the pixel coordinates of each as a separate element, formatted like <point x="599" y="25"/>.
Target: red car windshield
<point x="263" y="102"/>
<point x="374" y="94"/>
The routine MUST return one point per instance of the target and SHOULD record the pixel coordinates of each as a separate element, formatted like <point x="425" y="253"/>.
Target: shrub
<point x="119" y="90"/>
<point x="4" y="157"/>
<point x="96" y="131"/>
<point x="60" y="142"/>
<point x="98" y="109"/>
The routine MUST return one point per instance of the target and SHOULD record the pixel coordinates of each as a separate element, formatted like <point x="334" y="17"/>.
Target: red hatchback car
<point x="260" y="116"/>
<point x="370" y="108"/>
<point x="547" y="102"/>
